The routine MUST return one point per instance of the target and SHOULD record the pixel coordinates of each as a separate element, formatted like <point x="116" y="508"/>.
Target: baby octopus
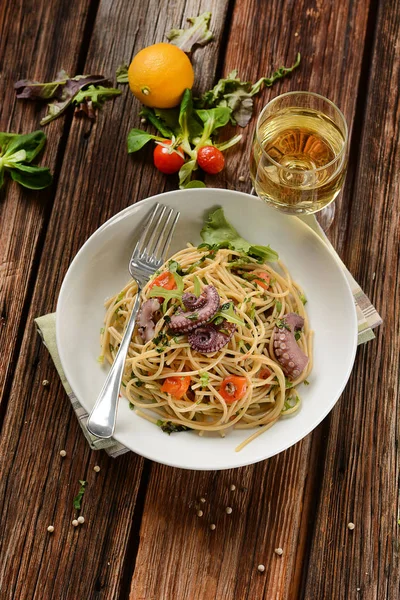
<point x="200" y="310"/>
<point x="211" y="338"/>
<point x="292" y="359"/>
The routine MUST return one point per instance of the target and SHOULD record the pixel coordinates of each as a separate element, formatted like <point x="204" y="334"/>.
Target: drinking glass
<point x="299" y="156"/>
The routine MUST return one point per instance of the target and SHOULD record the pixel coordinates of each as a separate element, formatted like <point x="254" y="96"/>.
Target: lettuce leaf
<point x="217" y="230"/>
<point x="197" y="35"/>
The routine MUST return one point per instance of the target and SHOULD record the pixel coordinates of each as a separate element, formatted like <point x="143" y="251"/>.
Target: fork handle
<point x="102" y="419"/>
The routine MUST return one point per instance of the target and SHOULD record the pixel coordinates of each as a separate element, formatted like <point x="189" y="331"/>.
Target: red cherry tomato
<point x="233" y="388"/>
<point x="168" y="160"/>
<point x="176" y="386"/>
<point x="210" y="159"/>
<point x="165" y="280"/>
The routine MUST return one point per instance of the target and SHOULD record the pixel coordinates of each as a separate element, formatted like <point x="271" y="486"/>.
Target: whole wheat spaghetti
<point x="249" y="354"/>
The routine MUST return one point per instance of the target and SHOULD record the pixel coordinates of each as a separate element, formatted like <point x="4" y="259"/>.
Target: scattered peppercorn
<point x="351" y="526"/>
<point x="199" y="513"/>
<point x="75" y="523"/>
<point x="278" y="551"/>
<point x="81" y="520"/>
<point x="261" y="568"/>
<point x="228" y="510"/>
<point x="45" y="382"/>
<point x="96" y="468"/>
<point x="212" y="526"/>
<point x="232" y="487"/>
<point x="50" y="529"/>
<point x="63" y="453"/>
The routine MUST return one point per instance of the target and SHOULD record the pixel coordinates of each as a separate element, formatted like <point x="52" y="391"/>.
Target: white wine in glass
<point x="299" y="155"/>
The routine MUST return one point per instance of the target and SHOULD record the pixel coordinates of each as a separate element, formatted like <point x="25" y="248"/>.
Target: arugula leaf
<point x="138" y="138"/>
<point x="157" y="291"/>
<point x="16" y="152"/>
<point x="281" y="324"/>
<point x="278" y="74"/>
<point x="78" y="498"/>
<point x="169" y="427"/>
<point x="198" y="34"/>
<point x="90" y="99"/>
<point x="68" y="93"/>
<point x="122" y="73"/>
<point x="227" y="312"/>
<point x="218" y="230"/>
<point x="237" y="95"/>
<point x="197" y="287"/>
<point x="204" y="379"/>
<point x="290" y="402"/>
<point x="303" y="298"/>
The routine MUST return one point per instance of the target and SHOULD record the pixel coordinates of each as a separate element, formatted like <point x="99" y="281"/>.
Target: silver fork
<point x="148" y="255"/>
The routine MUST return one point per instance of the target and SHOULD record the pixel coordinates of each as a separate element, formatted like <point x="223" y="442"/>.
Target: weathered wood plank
<point x="362" y="460"/>
<point x="275" y="506"/>
<point x="97" y="180"/>
<point x="36" y="39"/>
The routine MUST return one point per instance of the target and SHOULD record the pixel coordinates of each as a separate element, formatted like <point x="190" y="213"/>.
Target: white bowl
<point x="100" y="269"/>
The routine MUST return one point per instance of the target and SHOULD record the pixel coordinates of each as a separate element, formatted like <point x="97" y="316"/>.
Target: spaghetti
<point x="249" y="353"/>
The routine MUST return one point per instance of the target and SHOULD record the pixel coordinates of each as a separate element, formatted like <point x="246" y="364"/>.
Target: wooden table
<point x="142" y="538"/>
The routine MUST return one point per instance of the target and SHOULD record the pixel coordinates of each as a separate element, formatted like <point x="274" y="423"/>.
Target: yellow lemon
<point x="159" y="74"/>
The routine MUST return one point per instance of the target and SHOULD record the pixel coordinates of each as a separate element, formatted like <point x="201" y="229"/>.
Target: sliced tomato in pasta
<point x="176" y="386"/>
<point x="233" y="388"/>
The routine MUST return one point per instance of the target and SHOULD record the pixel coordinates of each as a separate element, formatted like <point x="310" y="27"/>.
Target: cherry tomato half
<point x="233" y="388"/>
<point x="176" y="386"/>
<point x="168" y="160"/>
<point x="264" y="279"/>
<point x="264" y="373"/>
<point x="210" y="159"/>
<point x="165" y="280"/>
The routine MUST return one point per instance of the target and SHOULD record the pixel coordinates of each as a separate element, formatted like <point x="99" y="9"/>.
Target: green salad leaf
<point x="196" y="35"/>
<point x="66" y="90"/>
<point x="17" y="151"/>
<point x="78" y="498"/>
<point x="217" y="230"/>
<point x="169" y="427"/>
<point x="92" y="98"/>
<point x="227" y="312"/>
<point x="122" y="73"/>
<point x="138" y="138"/>
<point x="237" y="95"/>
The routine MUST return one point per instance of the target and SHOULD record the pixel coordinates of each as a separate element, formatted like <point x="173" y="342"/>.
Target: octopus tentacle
<point x="211" y="338"/>
<point x="192" y="302"/>
<point x="183" y="322"/>
<point x="146" y="325"/>
<point x="290" y="356"/>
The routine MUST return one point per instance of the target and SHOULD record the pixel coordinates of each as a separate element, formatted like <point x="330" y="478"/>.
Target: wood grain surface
<point x="361" y="467"/>
<point x="142" y="538"/>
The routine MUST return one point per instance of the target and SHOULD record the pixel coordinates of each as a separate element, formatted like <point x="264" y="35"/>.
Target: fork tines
<point x="154" y="242"/>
